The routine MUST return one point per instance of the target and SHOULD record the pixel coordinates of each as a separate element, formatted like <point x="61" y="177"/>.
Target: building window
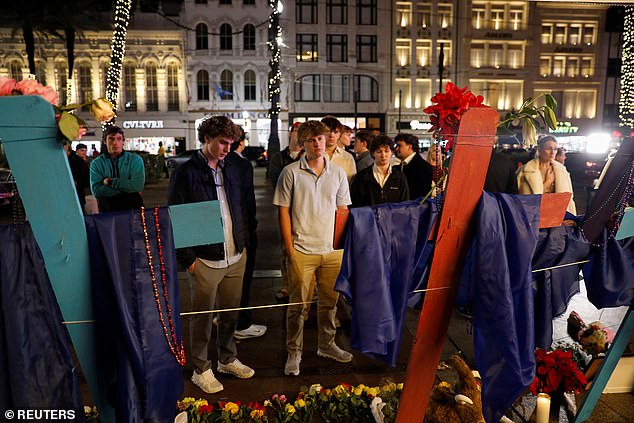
<point x="337" y="46"/>
<point x="337" y="12"/>
<point x="402" y="93"/>
<point x="497" y="17"/>
<point x="307" y="88"/>
<point x="496" y="55"/>
<point x="226" y="85"/>
<point x="579" y="104"/>
<point x="40" y="72"/>
<point x="574" y="34"/>
<point x="104" y="76"/>
<point x="173" y="99"/>
<point x="403" y="14"/>
<point x="423" y="93"/>
<point x="15" y="70"/>
<point x="367" y="89"/>
<point x="248" y="37"/>
<point x="202" y="85"/>
<point x="249" y="86"/>
<point x="547" y="34"/>
<point x="61" y="71"/>
<point x="129" y="87"/>
<point x="306" y="11"/>
<point x="366" y="48"/>
<point x="558" y="66"/>
<point x="560" y="34"/>
<point x="366" y="12"/>
<point x="336" y="88"/>
<point x="306" y="47"/>
<point x="423" y="53"/>
<point x="445" y="46"/>
<point x="84" y="83"/>
<point x="477" y="55"/>
<point x="503" y="95"/>
<point x="587" y="67"/>
<point x="478" y="12"/>
<point x="588" y="35"/>
<point x="544" y="66"/>
<point x="151" y="88"/>
<point x="423" y="11"/>
<point x="444" y="15"/>
<point x="403" y="52"/>
<point x="516" y="16"/>
<point x="202" y="37"/>
<point x="226" y="37"/>
<point x="515" y="56"/>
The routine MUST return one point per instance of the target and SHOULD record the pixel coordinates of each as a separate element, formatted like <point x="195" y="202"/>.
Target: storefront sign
<point x="252" y="115"/>
<point x="414" y="125"/>
<point x="503" y="35"/>
<point x="565" y="128"/>
<point x="143" y="124"/>
<point x="568" y="50"/>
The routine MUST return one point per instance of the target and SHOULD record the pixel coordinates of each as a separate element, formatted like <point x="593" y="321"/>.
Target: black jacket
<point x="249" y="209"/>
<point x="279" y="160"/>
<point x="501" y="174"/>
<point x="193" y="182"/>
<point x="419" y="174"/>
<point x="366" y="191"/>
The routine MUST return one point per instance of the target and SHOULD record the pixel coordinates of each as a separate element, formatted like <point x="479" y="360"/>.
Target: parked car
<point x="175" y="161"/>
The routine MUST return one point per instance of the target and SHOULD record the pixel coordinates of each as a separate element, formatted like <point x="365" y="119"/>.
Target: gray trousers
<point x="221" y="288"/>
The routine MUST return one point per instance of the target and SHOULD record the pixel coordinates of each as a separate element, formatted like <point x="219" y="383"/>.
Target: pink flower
<point x="50" y="95"/>
<point x="30" y="87"/>
<point x="7" y="86"/>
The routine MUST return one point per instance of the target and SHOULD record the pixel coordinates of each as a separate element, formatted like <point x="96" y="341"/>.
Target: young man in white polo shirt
<point x="307" y="194"/>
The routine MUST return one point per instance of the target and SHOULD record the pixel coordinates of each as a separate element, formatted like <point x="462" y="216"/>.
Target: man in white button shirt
<point x="336" y="153"/>
<point x="308" y="193"/>
<point x="216" y="269"/>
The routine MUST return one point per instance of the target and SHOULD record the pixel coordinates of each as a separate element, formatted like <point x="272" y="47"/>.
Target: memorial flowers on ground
<point x="71" y="127"/>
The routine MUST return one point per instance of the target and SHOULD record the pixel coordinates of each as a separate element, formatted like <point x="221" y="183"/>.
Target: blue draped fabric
<point x="506" y="235"/>
<point x="385" y="258"/>
<point x="143" y="379"/>
<point x="36" y="363"/>
<point x="555" y="287"/>
<point x="609" y="276"/>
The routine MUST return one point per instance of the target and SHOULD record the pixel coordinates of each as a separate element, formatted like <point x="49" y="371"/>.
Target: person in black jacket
<point x="290" y="154"/>
<point x="418" y="172"/>
<point x="381" y="182"/>
<point x="217" y="269"/>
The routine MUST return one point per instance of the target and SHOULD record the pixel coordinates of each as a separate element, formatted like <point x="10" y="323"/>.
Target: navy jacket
<point x="419" y="174"/>
<point x="366" y="191"/>
<point x="193" y="182"/>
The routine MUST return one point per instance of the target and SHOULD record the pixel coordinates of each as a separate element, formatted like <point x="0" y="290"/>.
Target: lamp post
<point x="275" y="39"/>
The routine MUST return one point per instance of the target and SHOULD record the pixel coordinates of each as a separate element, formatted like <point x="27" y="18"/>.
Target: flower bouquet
<point x="70" y="126"/>
<point x="556" y="372"/>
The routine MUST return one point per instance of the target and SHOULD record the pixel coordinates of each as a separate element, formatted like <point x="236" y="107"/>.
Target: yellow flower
<point x="300" y="403"/>
<point x="372" y="391"/>
<point x="290" y="409"/>
<point x="232" y="407"/>
<point x="199" y="403"/>
<point x="358" y="390"/>
<point x="399" y="386"/>
<point x="101" y="109"/>
<point x="256" y="413"/>
<point x="187" y="401"/>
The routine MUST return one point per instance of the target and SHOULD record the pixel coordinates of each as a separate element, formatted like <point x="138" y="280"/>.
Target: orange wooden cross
<point x="468" y="168"/>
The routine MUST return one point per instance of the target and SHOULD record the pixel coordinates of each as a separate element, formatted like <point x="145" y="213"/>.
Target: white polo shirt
<point x="313" y="201"/>
<point x="345" y="160"/>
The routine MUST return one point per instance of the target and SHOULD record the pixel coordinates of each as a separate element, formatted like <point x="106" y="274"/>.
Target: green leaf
<point x="526" y="102"/>
<point x="71" y="106"/>
<point x="69" y="125"/>
<point x="530" y="111"/>
<point x="550" y="101"/>
<point x="550" y="117"/>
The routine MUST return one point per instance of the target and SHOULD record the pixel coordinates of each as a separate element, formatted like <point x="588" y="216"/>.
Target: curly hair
<point x="381" y="141"/>
<point x="214" y="126"/>
<point x="309" y="129"/>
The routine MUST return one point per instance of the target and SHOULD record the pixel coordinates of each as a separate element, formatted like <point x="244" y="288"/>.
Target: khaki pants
<point x="221" y="288"/>
<point x="304" y="270"/>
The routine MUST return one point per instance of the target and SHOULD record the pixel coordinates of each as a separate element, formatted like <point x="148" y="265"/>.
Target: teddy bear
<point x="460" y="403"/>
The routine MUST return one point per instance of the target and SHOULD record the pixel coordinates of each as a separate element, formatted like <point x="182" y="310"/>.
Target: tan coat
<point x="529" y="180"/>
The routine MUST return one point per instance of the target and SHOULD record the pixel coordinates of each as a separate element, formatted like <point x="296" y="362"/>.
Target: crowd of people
<point x="326" y="167"/>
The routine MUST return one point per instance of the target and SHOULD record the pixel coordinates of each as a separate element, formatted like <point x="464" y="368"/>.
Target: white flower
<point x="315" y="389"/>
<point x="376" y="406"/>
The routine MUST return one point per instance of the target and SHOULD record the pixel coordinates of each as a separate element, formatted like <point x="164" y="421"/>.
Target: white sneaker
<point x="292" y="364"/>
<point x="207" y="382"/>
<point x="253" y="331"/>
<point x="335" y="353"/>
<point x="237" y="369"/>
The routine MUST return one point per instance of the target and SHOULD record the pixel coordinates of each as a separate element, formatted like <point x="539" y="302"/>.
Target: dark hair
<point x="214" y="126"/>
<point x="560" y="150"/>
<point x="112" y="130"/>
<point x="365" y="136"/>
<point x="81" y="145"/>
<point x="408" y="139"/>
<point x="346" y="129"/>
<point x="332" y="123"/>
<point x="309" y="129"/>
<point x="381" y="141"/>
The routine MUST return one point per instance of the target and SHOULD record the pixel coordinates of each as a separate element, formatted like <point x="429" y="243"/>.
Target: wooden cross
<point x="469" y="164"/>
<point x="28" y="132"/>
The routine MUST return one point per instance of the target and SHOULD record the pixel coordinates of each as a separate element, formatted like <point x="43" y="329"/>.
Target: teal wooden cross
<point x="28" y="132"/>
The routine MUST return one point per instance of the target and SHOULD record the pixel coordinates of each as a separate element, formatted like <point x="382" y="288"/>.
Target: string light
<point x="626" y="102"/>
<point x="275" y="40"/>
<point x="117" y="47"/>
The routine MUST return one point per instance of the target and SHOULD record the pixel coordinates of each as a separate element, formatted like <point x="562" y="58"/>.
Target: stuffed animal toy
<point x="595" y="338"/>
<point x="456" y="404"/>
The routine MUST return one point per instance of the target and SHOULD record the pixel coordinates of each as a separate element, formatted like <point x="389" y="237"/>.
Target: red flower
<point x="347" y="386"/>
<point x="445" y="115"/>
<point x="205" y="409"/>
<point x="556" y="371"/>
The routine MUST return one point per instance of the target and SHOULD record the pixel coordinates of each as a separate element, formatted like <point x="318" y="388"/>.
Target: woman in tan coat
<point x="544" y="174"/>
